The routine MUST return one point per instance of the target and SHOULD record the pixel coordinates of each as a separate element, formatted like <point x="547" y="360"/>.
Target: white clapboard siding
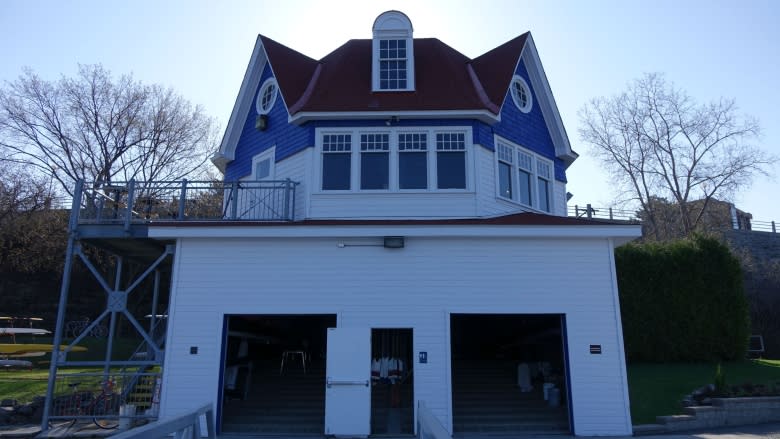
<point x="416" y="286"/>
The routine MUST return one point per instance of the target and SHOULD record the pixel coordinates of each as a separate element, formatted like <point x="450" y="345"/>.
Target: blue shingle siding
<point x="527" y="129"/>
<point x="288" y="138"/>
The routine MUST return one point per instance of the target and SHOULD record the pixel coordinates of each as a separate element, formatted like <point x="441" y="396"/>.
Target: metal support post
<point x="182" y="198"/>
<point x="66" y="276"/>
<point x="155" y="295"/>
<point x="234" y="201"/>
<point x="112" y="322"/>
<point x="130" y="196"/>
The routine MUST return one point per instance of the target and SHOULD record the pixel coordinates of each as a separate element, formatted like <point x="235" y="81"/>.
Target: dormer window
<point x="393" y="53"/>
<point x="392" y="64"/>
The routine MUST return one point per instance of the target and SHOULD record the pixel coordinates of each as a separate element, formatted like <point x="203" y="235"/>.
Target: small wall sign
<point x="423" y="357"/>
<point x="595" y="349"/>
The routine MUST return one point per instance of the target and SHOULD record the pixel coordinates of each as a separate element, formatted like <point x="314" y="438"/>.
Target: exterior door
<point x="348" y="382"/>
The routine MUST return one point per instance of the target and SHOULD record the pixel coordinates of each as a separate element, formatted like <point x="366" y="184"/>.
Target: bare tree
<point x="98" y="128"/>
<point x="658" y="143"/>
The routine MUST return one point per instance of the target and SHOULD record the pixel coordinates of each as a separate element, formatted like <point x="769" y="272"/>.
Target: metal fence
<point x="605" y="213"/>
<point x="136" y="201"/>
<point x="764" y="226"/>
<point x="100" y="395"/>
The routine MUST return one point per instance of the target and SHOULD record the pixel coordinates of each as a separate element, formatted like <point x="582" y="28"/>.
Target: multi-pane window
<point x="336" y="161"/>
<point x="392" y="65"/>
<point x="505" y="155"/>
<point x="393" y="159"/>
<point x="543" y="184"/>
<point x="530" y="174"/>
<point x="266" y="96"/>
<point x="525" y="172"/>
<point x="413" y="161"/>
<point x="374" y="161"/>
<point x="451" y="160"/>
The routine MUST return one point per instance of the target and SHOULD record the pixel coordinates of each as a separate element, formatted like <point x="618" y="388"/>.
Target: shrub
<point x="682" y="301"/>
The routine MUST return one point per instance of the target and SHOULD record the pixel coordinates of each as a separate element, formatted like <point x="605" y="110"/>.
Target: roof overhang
<point x="552" y="116"/>
<point x="244" y="101"/>
<point x="481" y="115"/>
<point x="618" y="233"/>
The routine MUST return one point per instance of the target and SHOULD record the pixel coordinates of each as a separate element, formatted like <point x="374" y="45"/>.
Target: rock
<point x="8" y="403"/>
<point x="25" y="410"/>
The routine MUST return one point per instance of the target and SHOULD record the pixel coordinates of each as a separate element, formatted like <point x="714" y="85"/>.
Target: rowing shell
<point x="15" y="363"/>
<point x="23" y="348"/>
<point x="14" y="331"/>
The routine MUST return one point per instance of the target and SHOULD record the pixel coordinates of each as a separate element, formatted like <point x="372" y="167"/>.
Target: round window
<point x="521" y="94"/>
<point x="266" y="97"/>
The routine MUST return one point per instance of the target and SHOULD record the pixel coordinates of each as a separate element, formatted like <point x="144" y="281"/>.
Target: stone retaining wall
<point x="723" y="412"/>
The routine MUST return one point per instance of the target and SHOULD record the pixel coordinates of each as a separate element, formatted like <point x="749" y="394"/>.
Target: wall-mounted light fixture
<point x="261" y="123"/>
<point x="392" y="120"/>
<point x="394" y="242"/>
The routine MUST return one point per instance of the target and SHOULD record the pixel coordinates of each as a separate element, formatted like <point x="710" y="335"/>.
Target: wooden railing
<point x="184" y="426"/>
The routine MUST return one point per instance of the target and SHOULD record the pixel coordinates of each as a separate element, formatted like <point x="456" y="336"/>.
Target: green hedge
<point x="682" y="301"/>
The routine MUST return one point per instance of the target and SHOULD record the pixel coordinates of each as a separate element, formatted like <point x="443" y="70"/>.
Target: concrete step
<point x="649" y="429"/>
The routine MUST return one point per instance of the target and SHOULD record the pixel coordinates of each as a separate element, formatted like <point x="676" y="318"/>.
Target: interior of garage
<point x="509" y="374"/>
<point x="274" y="374"/>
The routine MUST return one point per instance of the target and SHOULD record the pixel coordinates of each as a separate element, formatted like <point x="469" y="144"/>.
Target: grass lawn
<point x="22" y="385"/>
<point x="657" y="389"/>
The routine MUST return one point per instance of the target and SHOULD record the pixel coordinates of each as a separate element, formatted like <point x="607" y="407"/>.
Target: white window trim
<point x="392" y="25"/>
<point x="409" y="63"/>
<point x="258" y="101"/>
<point x="393" y="161"/>
<point x="516" y="179"/>
<point x="529" y="104"/>
<point x="268" y="154"/>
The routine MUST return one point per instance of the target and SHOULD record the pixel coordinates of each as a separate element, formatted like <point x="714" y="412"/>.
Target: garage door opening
<point x="273" y="379"/>
<point x="509" y="374"/>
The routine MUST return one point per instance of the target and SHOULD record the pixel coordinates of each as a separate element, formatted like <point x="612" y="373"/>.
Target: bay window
<point x="529" y="173"/>
<point x="394" y="159"/>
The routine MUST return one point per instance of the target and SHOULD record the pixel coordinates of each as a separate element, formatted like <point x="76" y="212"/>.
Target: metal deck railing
<point x="140" y="202"/>
<point x="602" y="213"/>
<point x="100" y="395"/>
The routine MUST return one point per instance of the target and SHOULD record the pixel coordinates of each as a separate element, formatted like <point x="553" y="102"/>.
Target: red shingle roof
<point x="442" y="78"/>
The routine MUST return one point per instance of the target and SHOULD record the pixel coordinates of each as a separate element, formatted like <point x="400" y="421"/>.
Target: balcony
<point x="136" y="202"/>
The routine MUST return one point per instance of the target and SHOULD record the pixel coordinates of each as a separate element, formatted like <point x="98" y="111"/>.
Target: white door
<point x="348" y="382"/>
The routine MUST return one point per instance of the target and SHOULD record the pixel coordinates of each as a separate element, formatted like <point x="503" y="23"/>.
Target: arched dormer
<point x="393" y="53"/>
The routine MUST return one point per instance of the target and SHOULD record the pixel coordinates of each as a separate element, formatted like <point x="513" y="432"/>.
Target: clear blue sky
<point x="710" y="48"/>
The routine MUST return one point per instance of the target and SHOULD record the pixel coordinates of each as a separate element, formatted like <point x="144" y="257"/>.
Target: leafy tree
<point x="96" y="127"/>
<point x="660" y="144"/>
<point x="682" y="301"/>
